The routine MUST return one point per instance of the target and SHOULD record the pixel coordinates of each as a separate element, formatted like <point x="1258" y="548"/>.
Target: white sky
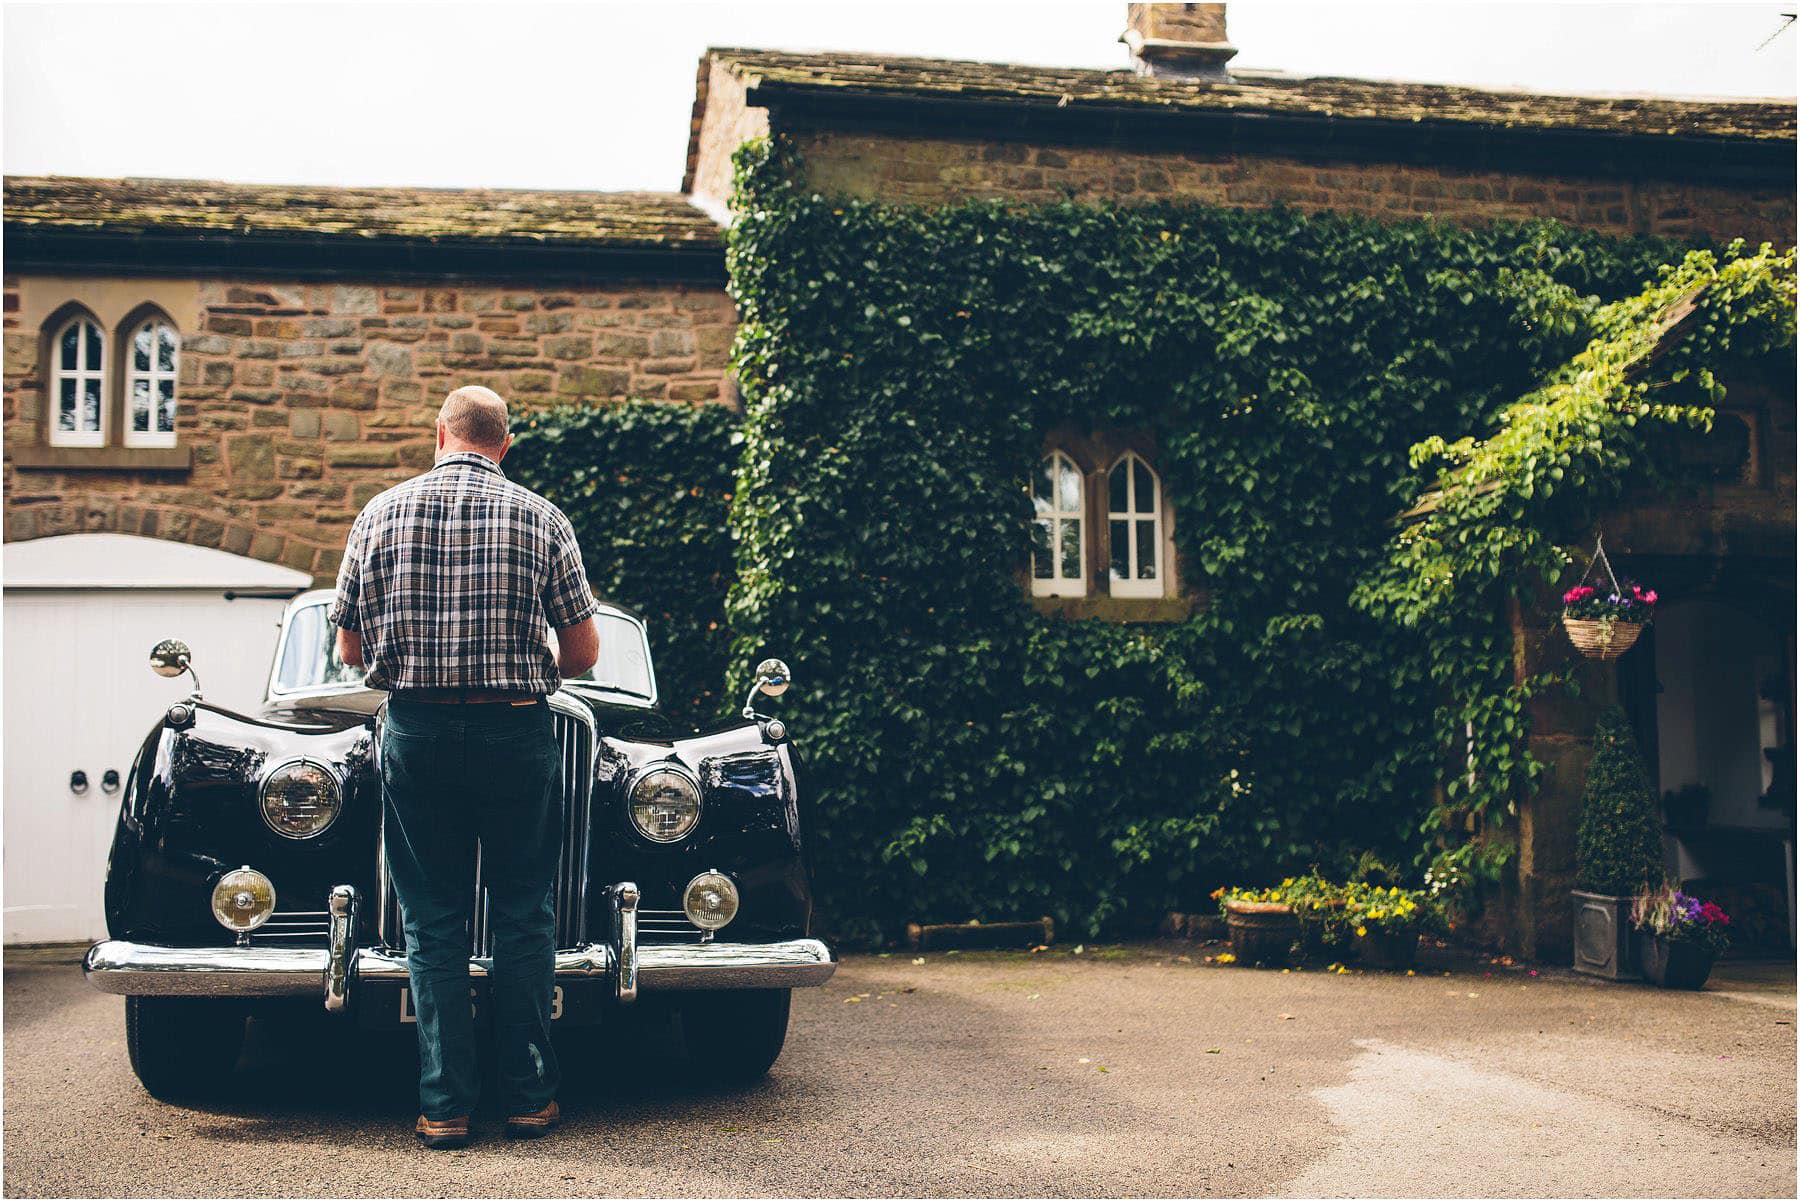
<point x="597" y="95"/>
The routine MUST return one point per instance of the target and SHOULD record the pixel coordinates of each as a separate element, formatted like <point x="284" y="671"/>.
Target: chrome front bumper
<point x="146" y="969"/>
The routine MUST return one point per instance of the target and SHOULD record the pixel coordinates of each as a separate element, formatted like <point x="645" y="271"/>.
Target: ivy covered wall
<point x="970" y="758"/>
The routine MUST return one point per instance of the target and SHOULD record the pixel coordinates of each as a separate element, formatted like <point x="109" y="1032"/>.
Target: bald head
<point x="473" y="419"/>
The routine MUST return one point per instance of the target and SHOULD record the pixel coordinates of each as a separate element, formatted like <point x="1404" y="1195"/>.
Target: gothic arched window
<point x="1058" y="549"/>
<point x="1135" y="528"/>
<point x="152" y="348"/>
<point x="77" y="401"/>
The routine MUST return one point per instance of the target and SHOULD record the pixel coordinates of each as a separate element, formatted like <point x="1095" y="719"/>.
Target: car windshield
<point x="309" y="657"/>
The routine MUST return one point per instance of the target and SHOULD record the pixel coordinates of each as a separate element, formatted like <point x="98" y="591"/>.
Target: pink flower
<point x="1650" y="597"/>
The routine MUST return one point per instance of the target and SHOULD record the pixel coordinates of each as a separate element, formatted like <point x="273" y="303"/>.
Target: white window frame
<point x="1057" y="584"/>
<point x="1134" y="585"/>
<point x="128" y="347"/>
<point x="81" y="373"/>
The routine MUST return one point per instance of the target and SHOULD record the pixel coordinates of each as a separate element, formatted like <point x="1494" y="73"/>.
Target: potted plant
<point x="1679" y="936"/>
<point x="1385" y="922"/>
<point x="1604" y="624"/>
<point x="1619" y="849"/>
<point x="1319" y="905"/>
<point x="1263" y="927"/>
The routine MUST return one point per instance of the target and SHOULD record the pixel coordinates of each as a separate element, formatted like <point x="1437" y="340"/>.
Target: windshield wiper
<point x="610" y="686"/>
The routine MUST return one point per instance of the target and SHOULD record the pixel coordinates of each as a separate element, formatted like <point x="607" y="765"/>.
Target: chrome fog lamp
<point x="665" y="805"/>
<point x="301" y="799"/>
<point x="711" y="900"/>
<point x="243" y="900"/>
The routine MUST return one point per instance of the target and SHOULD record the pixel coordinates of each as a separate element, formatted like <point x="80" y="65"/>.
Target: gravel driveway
<point x="1121" y="1072"/>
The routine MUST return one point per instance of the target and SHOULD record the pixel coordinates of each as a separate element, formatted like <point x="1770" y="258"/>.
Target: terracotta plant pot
<point x="1674" y="963"/>
<point x="1262" y="932"/>
<point x="1389" y="949"/>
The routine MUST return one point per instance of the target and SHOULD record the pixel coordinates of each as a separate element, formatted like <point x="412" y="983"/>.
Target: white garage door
<point x="82" y="612"/>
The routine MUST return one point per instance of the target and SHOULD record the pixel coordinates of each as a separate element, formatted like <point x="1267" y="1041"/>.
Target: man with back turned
<point x="450" y="586"/>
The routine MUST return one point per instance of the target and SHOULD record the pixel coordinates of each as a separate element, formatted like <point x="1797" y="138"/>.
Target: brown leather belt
<point x="469" y="696"/>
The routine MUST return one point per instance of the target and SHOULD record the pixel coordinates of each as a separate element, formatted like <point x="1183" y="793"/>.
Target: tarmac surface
<point x="1129" y="1071"/>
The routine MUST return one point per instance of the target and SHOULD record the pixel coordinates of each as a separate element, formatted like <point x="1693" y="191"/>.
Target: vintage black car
<point x="246" y="870"/>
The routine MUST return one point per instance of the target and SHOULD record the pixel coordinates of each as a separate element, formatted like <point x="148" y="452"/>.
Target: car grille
<point x="296" y="926"/>
<point x="667" y="926"/>
<point x="576" y="739"/>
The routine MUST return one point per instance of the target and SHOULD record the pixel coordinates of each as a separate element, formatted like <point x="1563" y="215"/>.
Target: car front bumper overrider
<point x="331" y="973"/>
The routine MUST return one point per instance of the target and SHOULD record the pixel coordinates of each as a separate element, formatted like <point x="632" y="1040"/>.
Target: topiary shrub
<point x="1620" y="846"/>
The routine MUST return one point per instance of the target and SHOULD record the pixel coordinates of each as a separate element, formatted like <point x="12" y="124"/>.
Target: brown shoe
<point x="442" y="1133"/>
<point x="534" y="1126"/>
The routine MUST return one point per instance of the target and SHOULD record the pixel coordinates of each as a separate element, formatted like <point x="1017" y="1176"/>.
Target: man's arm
<point x="349" y="647"/>
<point x="569" y="604"/>
<point x="343" y="613"/>
<point x="577" y="648"/>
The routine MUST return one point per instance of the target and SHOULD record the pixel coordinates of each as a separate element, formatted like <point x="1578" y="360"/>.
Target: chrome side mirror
<point x="772" y="680"/>
<point x="172" y="658"/>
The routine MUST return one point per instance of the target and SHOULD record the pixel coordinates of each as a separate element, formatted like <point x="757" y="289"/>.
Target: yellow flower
<point x="1377" y="913"/>
<point x="1361" y="931"/>
<point x="1287" y="882"/>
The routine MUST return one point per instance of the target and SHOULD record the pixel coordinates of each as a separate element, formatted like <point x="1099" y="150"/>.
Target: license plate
<point x="391" y="1006"/>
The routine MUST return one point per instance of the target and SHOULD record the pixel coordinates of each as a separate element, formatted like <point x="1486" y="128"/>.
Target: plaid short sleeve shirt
<point x="455" y="578"/>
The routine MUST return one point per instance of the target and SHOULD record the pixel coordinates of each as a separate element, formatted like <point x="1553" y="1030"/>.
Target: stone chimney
<point x="1179" y="41"/>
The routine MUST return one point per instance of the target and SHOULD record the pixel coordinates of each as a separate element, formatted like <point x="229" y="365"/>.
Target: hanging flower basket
<point x="1605" y="619"/>
<point x="1602" y="638"/>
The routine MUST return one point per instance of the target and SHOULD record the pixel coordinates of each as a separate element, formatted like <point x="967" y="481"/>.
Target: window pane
<point x="1071" y="549"/>
<point x="140" y="347"/>
<point x="165" y="406"/>
<point x="90" y="406"/>
<point x="93" y="345"/>
<point x="140" y="406"/>
<point x="1042" y="486"/>
<point x="1069" y="490"/>
<point x="71" y="346"/>
<point x="165" y="348"/>
<point x="1146" y="550"/>
<point x="1146" y="492"/>
<point x="1116" y="484"/>
<point x="1041" y="559"/>
<point x="65" y="407"/>
<point x="1121" y="547"/>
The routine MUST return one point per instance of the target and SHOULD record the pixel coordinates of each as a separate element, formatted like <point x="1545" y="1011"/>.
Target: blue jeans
<point x="452" y="774"/>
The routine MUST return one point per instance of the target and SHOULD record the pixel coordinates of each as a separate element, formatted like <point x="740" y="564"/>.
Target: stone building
<point x="242" y="367"/>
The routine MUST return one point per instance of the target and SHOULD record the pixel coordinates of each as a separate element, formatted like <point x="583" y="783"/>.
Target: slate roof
<point x="626" y="220"/>
<point x="1263" y="93"/>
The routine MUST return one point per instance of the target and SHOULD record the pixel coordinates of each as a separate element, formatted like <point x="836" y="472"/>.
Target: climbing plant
<point x="968" y="756"/>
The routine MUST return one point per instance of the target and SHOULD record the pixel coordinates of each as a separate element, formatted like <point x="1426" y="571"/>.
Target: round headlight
<point x="301" y="799"/>
<point x="243" y="900"/>
<point x="711" y="901"/>
<point x="665" y="805"/>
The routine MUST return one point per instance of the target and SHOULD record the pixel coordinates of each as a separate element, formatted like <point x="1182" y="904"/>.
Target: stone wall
<point x="937" y="170"/>
<point x="299" y="402"/>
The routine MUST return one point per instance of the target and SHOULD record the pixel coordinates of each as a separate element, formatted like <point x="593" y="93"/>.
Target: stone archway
<point x="217" y="529"/>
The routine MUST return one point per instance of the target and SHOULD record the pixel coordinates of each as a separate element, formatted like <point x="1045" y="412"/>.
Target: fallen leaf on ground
<point x="1042" y="947"/>
<point x="1079" y="948"/>
<point x="918" y="959"/>
<point x="1101" y="1068"/>
<point x="1214" y="1051"/>
<point x="1083" y="1060"/>
<point x="1287" y="1017"/>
